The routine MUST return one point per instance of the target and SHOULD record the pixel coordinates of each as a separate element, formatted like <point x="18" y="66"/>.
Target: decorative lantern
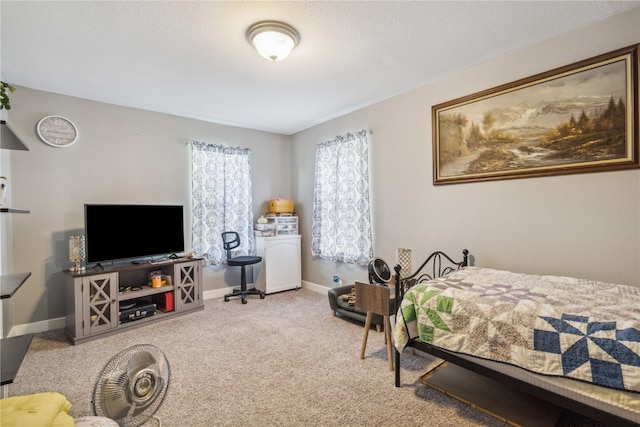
<point x="76" y="252"/>
<point x="403" y="258"/>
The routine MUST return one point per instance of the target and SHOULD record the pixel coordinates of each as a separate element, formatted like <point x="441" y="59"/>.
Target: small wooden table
<point x="376" y="299"/>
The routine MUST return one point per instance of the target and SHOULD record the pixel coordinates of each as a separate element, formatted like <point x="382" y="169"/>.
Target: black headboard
<point x="436" y="265"/>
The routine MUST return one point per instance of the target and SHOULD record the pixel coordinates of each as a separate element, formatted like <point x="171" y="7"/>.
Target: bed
<point x="572" y="342"/>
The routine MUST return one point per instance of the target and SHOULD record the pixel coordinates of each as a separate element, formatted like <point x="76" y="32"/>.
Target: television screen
<point x="118" y="232"/>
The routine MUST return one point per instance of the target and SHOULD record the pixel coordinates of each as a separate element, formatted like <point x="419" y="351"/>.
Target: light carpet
<point x="282" y="361"/>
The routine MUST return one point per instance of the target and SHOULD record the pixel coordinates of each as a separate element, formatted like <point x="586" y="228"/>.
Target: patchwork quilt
<point x="560" y="326"/>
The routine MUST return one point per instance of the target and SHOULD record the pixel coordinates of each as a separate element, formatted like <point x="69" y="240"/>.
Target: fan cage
<point x="132" y="386"/>
<point x="379" y="271"/>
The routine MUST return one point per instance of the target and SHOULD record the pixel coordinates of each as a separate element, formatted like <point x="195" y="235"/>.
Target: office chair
<point x="231" y="240"/>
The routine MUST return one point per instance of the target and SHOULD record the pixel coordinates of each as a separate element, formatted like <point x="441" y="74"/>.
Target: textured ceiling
<point x="192" y="59"/>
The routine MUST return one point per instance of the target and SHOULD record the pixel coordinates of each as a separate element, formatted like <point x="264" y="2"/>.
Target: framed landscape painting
<point x="579" y="118"/>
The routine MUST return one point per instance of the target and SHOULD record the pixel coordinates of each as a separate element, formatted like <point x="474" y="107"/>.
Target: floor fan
<point x="132" y="386"/>
<point x="379" y="271"/>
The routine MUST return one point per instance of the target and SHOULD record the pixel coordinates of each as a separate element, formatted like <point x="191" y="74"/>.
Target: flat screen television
<point x="132" y="232"/>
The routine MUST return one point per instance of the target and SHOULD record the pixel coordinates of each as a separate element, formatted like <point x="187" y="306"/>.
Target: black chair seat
<point x="243" y="260"/>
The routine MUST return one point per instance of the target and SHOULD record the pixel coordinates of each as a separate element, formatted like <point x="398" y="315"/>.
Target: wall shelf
<point x="12" y="210"/>
<point x="13" y="349"/>
<point x="12" y="352"/>
<point x="10" y="283"/>
<point x="9" y="140"/>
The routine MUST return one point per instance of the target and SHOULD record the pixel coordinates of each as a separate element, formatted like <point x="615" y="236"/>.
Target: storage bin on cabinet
<point x="285" y="225"/>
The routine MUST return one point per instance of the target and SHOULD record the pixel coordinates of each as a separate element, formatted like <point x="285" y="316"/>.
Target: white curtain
<point x="221" y="199"/>
<point x="341" y="209"/>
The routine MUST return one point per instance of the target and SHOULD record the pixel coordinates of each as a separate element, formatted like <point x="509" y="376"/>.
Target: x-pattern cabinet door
<point x="187" y="284"/>
<point x="99" y="294"/>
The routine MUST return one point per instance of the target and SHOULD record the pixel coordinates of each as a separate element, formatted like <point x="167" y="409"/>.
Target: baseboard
<point x="315" y="287"/>
<point x="51" y="324"/>
<point x="42" y="326"/>
<point x="220" y="293"/>
<point x="216" y="293"/>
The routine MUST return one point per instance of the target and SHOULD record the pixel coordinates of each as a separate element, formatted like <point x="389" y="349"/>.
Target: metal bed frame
<point x="439" y="264"/>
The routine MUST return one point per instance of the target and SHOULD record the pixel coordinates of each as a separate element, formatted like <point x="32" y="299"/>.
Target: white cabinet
<point x="280" y="267"/>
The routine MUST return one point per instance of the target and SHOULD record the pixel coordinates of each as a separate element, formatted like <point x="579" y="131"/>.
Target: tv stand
<point x="94" y="297"/>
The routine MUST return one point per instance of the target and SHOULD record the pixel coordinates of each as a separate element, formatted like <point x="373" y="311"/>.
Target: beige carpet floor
<point x="282" y="361"/>
<point x="500" y="401"/>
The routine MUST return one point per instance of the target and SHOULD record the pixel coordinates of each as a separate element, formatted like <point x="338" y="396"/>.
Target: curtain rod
<point x="190" y="142"/>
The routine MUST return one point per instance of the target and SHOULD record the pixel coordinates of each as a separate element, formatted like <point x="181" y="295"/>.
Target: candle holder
<point x="76" y="252"/>
<point x="403" y="257"/>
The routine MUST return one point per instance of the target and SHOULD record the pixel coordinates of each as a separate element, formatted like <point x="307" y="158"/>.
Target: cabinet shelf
<point x="144" y="292"/>
<point x="160" y="315"/>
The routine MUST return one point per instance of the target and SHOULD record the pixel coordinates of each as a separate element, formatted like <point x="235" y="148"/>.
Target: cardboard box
<point x="281" y="206"/>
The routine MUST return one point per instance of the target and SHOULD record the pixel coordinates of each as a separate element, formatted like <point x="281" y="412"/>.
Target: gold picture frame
<point x="578" y="118"/>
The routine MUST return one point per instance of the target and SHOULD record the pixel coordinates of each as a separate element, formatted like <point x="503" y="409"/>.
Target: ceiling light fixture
<point x="273" y="40"/>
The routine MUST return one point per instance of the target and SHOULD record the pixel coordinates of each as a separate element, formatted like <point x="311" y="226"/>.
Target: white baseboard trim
<point x="60" y="322"/>
<point x="315" y="287"/>
<point x="35" y="327"/>
<point x="220" y="293"/>
<point x="216" y="293"/>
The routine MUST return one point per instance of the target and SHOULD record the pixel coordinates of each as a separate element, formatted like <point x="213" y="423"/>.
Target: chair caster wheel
<point x="244" y="301"/>
<point x="226" y="298"/>
<point x="262" y="296"/>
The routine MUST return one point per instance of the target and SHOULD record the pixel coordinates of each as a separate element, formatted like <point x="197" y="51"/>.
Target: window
<point x="341" y="209"/>
<point x="221" y="199"/>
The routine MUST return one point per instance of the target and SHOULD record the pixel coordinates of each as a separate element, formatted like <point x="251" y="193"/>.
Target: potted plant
<point x="4" y="105"/>
<point x="4" y="96"/>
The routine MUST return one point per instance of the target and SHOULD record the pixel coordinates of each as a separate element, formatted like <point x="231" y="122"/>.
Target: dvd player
<point x="134" y="310"/>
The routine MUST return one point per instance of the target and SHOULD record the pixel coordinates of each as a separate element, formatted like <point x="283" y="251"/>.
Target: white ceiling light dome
<point x="273" y="40"/>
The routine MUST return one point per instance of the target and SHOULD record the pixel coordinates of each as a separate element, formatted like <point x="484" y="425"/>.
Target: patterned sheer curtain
<point x="341" y="209"/>
<point x="221" y="199"/>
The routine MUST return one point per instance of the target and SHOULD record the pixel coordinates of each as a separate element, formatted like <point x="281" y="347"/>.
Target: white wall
<point x="585" y="225"/>
<point x="122" y="155"/>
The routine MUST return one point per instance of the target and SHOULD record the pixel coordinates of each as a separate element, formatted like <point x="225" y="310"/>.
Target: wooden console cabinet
<point x="96" y="297"/>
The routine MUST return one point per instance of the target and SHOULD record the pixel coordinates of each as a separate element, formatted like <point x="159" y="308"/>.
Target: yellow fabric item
<point x="36" y="410"/>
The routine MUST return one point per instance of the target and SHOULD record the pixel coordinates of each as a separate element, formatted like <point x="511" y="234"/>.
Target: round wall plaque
<point x="57" y="131"/>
